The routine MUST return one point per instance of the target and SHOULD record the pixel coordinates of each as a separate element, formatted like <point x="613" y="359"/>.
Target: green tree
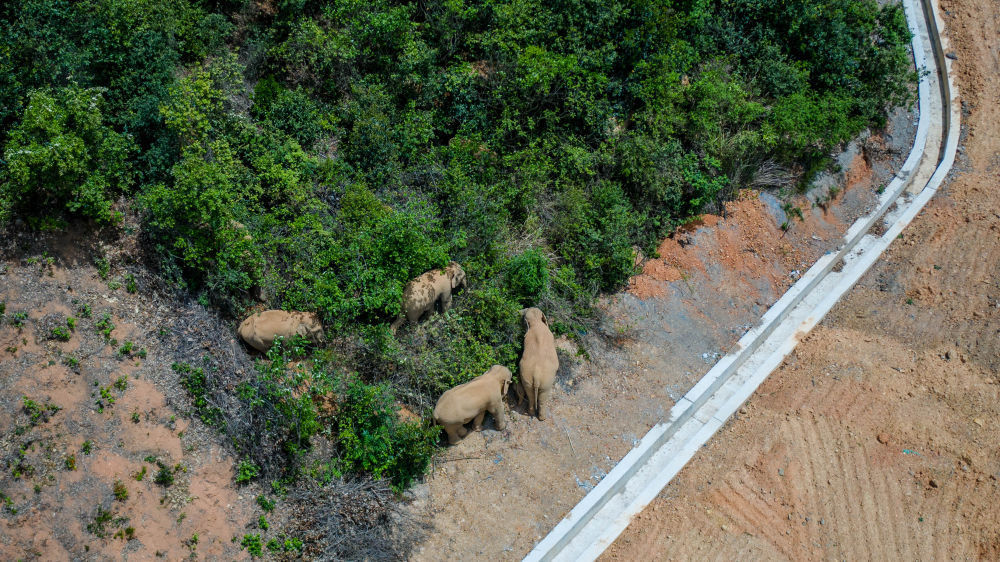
<point x="63" y="157"/>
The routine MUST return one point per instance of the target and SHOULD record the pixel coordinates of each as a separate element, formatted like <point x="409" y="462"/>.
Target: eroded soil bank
<point x="497" y="493"/>
<point x="879" y="438"/>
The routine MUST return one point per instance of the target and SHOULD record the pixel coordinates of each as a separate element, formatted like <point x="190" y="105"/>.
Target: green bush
<point x="528" y="276"/>
<point x="370" y="437"/>
<point x="62" y="157"/>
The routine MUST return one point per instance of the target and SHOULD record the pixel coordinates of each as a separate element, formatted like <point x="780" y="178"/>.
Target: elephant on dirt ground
<point x="261" y="329"/>
<point x="470" y="402"/>
<point x="539" y="363"/>
<point x="423" y="294"/>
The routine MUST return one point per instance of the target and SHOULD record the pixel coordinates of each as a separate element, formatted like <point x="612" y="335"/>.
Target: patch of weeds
<point x="126" y="534"/>
<point x="126" y="349"/>
<point x="17" y="319"/>
<point x="165" y="476"/>
<point x="59" y="333"/>
<point x="150" y="459"/>
<point x="140" y="475"/>
<point x="142" y="353"/>
<point x="135" y="417"/>
<point x="71" y="362"/>
<point x="105" y="326"/>
<point x="120" y="491"/>
<point x="195" y="381"/>
<point x="121" y="383"/>
<point x="130" y="285"/>
<point x="265" y="504"/>
<point x="38" y="488"/>
<point x="70" y="462"/>
<point x="246" y="471"/>
<point x="792" y="211"/>
<point x="262" y="523"/>
<point x="909" y="301"/>
<point x="3" y="307"/>
<point x="87" y="447"/>
<point x="283" y="543"/>
<point x="253" y="545"/>
<point x="114" y="285"/>
<point x="192" y="543"/>
<point x="39" y="413"/>
<point x="106" y="399"/>
<point x="71" y="323"/>
<point x="103" y="267"/>
<point x="181" y="517"/>
<point x="97" y="526"/>
<point x="85" y="311"/>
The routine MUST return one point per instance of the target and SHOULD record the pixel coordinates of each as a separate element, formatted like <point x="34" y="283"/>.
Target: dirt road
<point x="879" y="438"/>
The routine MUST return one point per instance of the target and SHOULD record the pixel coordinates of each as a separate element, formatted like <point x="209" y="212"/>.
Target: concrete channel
<point x="594" y="523"/>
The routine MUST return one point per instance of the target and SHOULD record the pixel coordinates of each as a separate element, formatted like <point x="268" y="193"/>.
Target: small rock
<point x="978" y="421"/>
<point x="947" y="355"/>
<point x="883" y="438"/>
<point x="952" y="56"/>
<point x="932" y="483"/>
<point x="781" y="472"/>
<point x="822" y="521"/>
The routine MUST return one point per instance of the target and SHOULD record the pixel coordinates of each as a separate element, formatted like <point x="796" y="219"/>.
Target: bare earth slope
<point x="879" y="438"/>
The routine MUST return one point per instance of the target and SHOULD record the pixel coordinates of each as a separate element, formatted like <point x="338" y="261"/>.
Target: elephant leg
<point x="499" y="419"/>
<point x="530" y="391"/>
<point x="453" y="431"/>
<point x="477" y="423"/>
<point x="445" y="302"/>
<point x="543" y="403"/>
<point x="520" y="393"/>
<point x="462" y="431"/>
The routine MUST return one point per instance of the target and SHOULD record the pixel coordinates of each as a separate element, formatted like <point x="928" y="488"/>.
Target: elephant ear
<point x="544" y="319"/>
<point x="506" y="384"/>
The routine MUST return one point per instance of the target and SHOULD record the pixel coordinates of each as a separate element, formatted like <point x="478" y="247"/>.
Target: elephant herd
<point x="466" y="402"/>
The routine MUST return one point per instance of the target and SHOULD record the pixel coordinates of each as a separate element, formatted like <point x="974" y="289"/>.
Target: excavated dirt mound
<point x="879" y="438"/>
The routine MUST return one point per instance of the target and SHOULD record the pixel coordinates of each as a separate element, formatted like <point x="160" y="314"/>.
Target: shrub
<point x="370" y="437"/>
<point x="253" y="545"/>
<point x="246" y="471"/>
<point x="528" y="276"/>
<point x="120" y="491"/>
<point x="62" y="157"/>
<point x="164" y="476"/>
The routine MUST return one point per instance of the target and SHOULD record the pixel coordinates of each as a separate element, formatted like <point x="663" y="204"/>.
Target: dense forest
<point x="316" y="155"/>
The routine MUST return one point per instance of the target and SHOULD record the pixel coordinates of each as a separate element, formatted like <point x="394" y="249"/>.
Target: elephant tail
<point x="397" y="323"/>
<point x="536" y="396"/>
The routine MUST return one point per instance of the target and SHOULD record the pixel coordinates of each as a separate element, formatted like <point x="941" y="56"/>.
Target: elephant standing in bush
<point x="470" y="402"/>
<point x="261" y="329"/>
<point x="539" y="363"/>
<point x="422" y="294"/>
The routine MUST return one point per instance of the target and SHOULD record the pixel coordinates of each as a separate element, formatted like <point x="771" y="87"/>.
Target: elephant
<point x="539" y="363"/>
<point x="260" y="329"/>
<point x="470" y="402"/>
<point x="421" y="295"/>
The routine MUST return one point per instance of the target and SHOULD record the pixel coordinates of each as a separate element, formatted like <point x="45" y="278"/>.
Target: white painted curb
<point x="606" y="511"/>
